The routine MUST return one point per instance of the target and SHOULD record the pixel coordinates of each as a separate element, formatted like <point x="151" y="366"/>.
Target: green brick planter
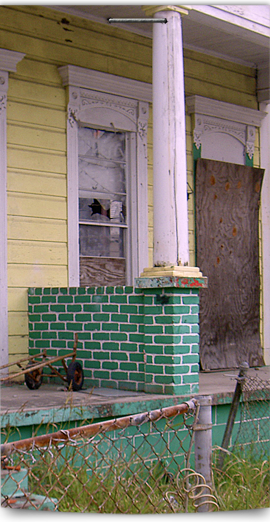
<point x="137" y="339"/>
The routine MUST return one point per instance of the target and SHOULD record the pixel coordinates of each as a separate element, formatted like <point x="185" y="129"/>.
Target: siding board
<point x="37" y="252"/>
<point x="33" y="205"/>
<point x="37" y="183"/>
<point x="33" y="228"/>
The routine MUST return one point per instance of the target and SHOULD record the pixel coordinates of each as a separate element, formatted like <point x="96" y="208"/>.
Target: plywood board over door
<point x="227" y="212"/>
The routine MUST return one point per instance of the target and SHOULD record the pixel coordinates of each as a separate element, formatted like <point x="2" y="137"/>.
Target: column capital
<point x="153" y="9"/>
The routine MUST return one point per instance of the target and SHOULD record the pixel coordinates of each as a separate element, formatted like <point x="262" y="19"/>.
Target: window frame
<point x="104" y="101"/>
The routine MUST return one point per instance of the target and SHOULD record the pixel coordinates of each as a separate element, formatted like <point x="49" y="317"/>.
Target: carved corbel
<point x="250" y="140"/>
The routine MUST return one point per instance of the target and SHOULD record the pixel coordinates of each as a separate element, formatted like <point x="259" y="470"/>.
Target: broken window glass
<point x="102" y="193"/>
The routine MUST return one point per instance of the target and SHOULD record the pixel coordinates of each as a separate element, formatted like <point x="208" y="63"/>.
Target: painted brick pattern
<point x="129" y="338"/>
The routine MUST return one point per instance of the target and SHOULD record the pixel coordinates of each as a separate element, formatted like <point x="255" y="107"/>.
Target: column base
<point x="171" y="276"/>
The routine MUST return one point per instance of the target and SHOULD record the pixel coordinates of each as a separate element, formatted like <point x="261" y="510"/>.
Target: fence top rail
<point x="89" y="430"/>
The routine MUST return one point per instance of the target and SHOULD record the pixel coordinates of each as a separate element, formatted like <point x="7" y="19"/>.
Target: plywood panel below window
<point x="96" y="271"/>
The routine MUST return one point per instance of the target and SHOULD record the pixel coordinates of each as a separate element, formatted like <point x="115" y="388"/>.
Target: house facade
<point x="108" y="133"/>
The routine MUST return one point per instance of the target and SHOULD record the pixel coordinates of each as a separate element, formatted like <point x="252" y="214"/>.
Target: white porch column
<point x="169" y="142"/>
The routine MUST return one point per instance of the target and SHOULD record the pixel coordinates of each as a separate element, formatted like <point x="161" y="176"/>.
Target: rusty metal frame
<point x="38" y="366"/>
<point x="90" y="430"/>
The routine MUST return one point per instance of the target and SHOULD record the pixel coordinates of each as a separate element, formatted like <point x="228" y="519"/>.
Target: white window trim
<point x="8" y="63"/>
<point x="213" y="116"/>
<point x="110" y="102"/>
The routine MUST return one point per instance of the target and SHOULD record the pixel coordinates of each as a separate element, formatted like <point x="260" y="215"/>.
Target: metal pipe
<point x="234" y="407"/>
<point x="203" y="448"/>
<point x="62" y="436"/>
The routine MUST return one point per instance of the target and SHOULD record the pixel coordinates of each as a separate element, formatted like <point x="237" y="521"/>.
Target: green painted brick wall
<point x="128" y="339"/>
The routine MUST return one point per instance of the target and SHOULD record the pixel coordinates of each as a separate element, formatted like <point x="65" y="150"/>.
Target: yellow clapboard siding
<point x="17" y="299"/>
<point x="66" y="54"/>
<point x="28" y="228"/>
<point x="18" y="349"/>
<point x="211" y="74"/>
<point x="216" y="92"/>
<point x="80" y="37"/>
<point x="225" y="65"/>
<point x="36" y="160"/>
<point x="34" y="71"/>
<point x="37" y="252"/>
<point x="32" y="115"/>
<point x="37" y="183"/>
<point x="25" y="276"/>
<point x="22" y="135"/>
<point x="18" y="323"/>
<point x="33" y="205"/>
<point x="42" y="94"/>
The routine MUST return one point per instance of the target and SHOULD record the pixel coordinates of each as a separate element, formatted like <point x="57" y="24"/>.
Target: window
<point x="103" y="201"/>
<point x="107" y="177"/>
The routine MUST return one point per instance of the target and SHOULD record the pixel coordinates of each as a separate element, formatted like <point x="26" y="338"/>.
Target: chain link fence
<point x="136" y="464"/>
<point x="253" y="436"/>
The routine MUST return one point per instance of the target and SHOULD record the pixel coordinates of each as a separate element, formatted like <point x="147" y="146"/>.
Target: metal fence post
<point x="234" y="407"/>
<point x="203" y="447"/>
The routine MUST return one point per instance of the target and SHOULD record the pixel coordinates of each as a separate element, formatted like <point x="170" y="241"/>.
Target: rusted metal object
<point x="34" y="368"/>
<point x="90" y="430"/>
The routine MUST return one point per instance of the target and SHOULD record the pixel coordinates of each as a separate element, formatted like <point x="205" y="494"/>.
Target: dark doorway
<point x="227" y="216"/>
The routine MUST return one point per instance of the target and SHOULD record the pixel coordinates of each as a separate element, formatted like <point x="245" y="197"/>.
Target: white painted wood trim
<point x="220" y="118"/>
<point x="103" y="82"/>
<point x="98" y="108"/>
<point x="265" y="209"/>
<point x="3" y="220"/>
<point x="8" y="62"/>
<point x="226" y="111"/>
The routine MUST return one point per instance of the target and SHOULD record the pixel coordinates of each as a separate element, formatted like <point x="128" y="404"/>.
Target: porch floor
<point x="18" y="398"/>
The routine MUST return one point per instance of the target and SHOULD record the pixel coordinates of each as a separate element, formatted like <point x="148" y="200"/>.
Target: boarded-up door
<point x="227" y="209"/>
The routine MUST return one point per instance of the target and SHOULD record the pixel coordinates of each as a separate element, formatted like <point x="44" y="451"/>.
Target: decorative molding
<point x="104" y="82"/>
<point x="250" y="140"/>
<point x="113" y="103"/>
<point x="211" y="116"/>
<point x="9" y="60"/>
<point x="226" y="111"/>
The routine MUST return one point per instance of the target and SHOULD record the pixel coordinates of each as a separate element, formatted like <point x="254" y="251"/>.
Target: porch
<point x="53" y="403"/>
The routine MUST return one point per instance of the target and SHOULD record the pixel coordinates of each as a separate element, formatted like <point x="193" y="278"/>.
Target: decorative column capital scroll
<point x="153" y="9"/>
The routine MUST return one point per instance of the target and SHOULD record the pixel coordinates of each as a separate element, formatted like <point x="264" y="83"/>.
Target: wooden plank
<point x="53" y="97"/>
<point x="215" y="75"/>
<point x="18" y="347"/>
<point x="25" y="276"/>
<point x="81" y="37"/>
<point x="35" y="159"/>
<point x="216" y="92"/>
<point x="102" y="272"/>
<point x="35" y="229"/>
<point x="17" y="300"/>
<point x="18" y="323"/>
<point x="25" y="135"/>
<point x="37" y="183"/>
<point x="219" y="62"/>
<point x="227" y="198"/>
<point x="33" y="205"/>
<point x="45" y="117"/>
<point x="37" y="252"/>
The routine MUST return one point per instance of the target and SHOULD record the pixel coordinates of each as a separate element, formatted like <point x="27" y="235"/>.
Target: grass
<point x="242" y="484"/>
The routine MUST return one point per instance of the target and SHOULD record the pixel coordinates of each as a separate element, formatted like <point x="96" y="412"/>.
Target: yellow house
<point x="75" y="87"/>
